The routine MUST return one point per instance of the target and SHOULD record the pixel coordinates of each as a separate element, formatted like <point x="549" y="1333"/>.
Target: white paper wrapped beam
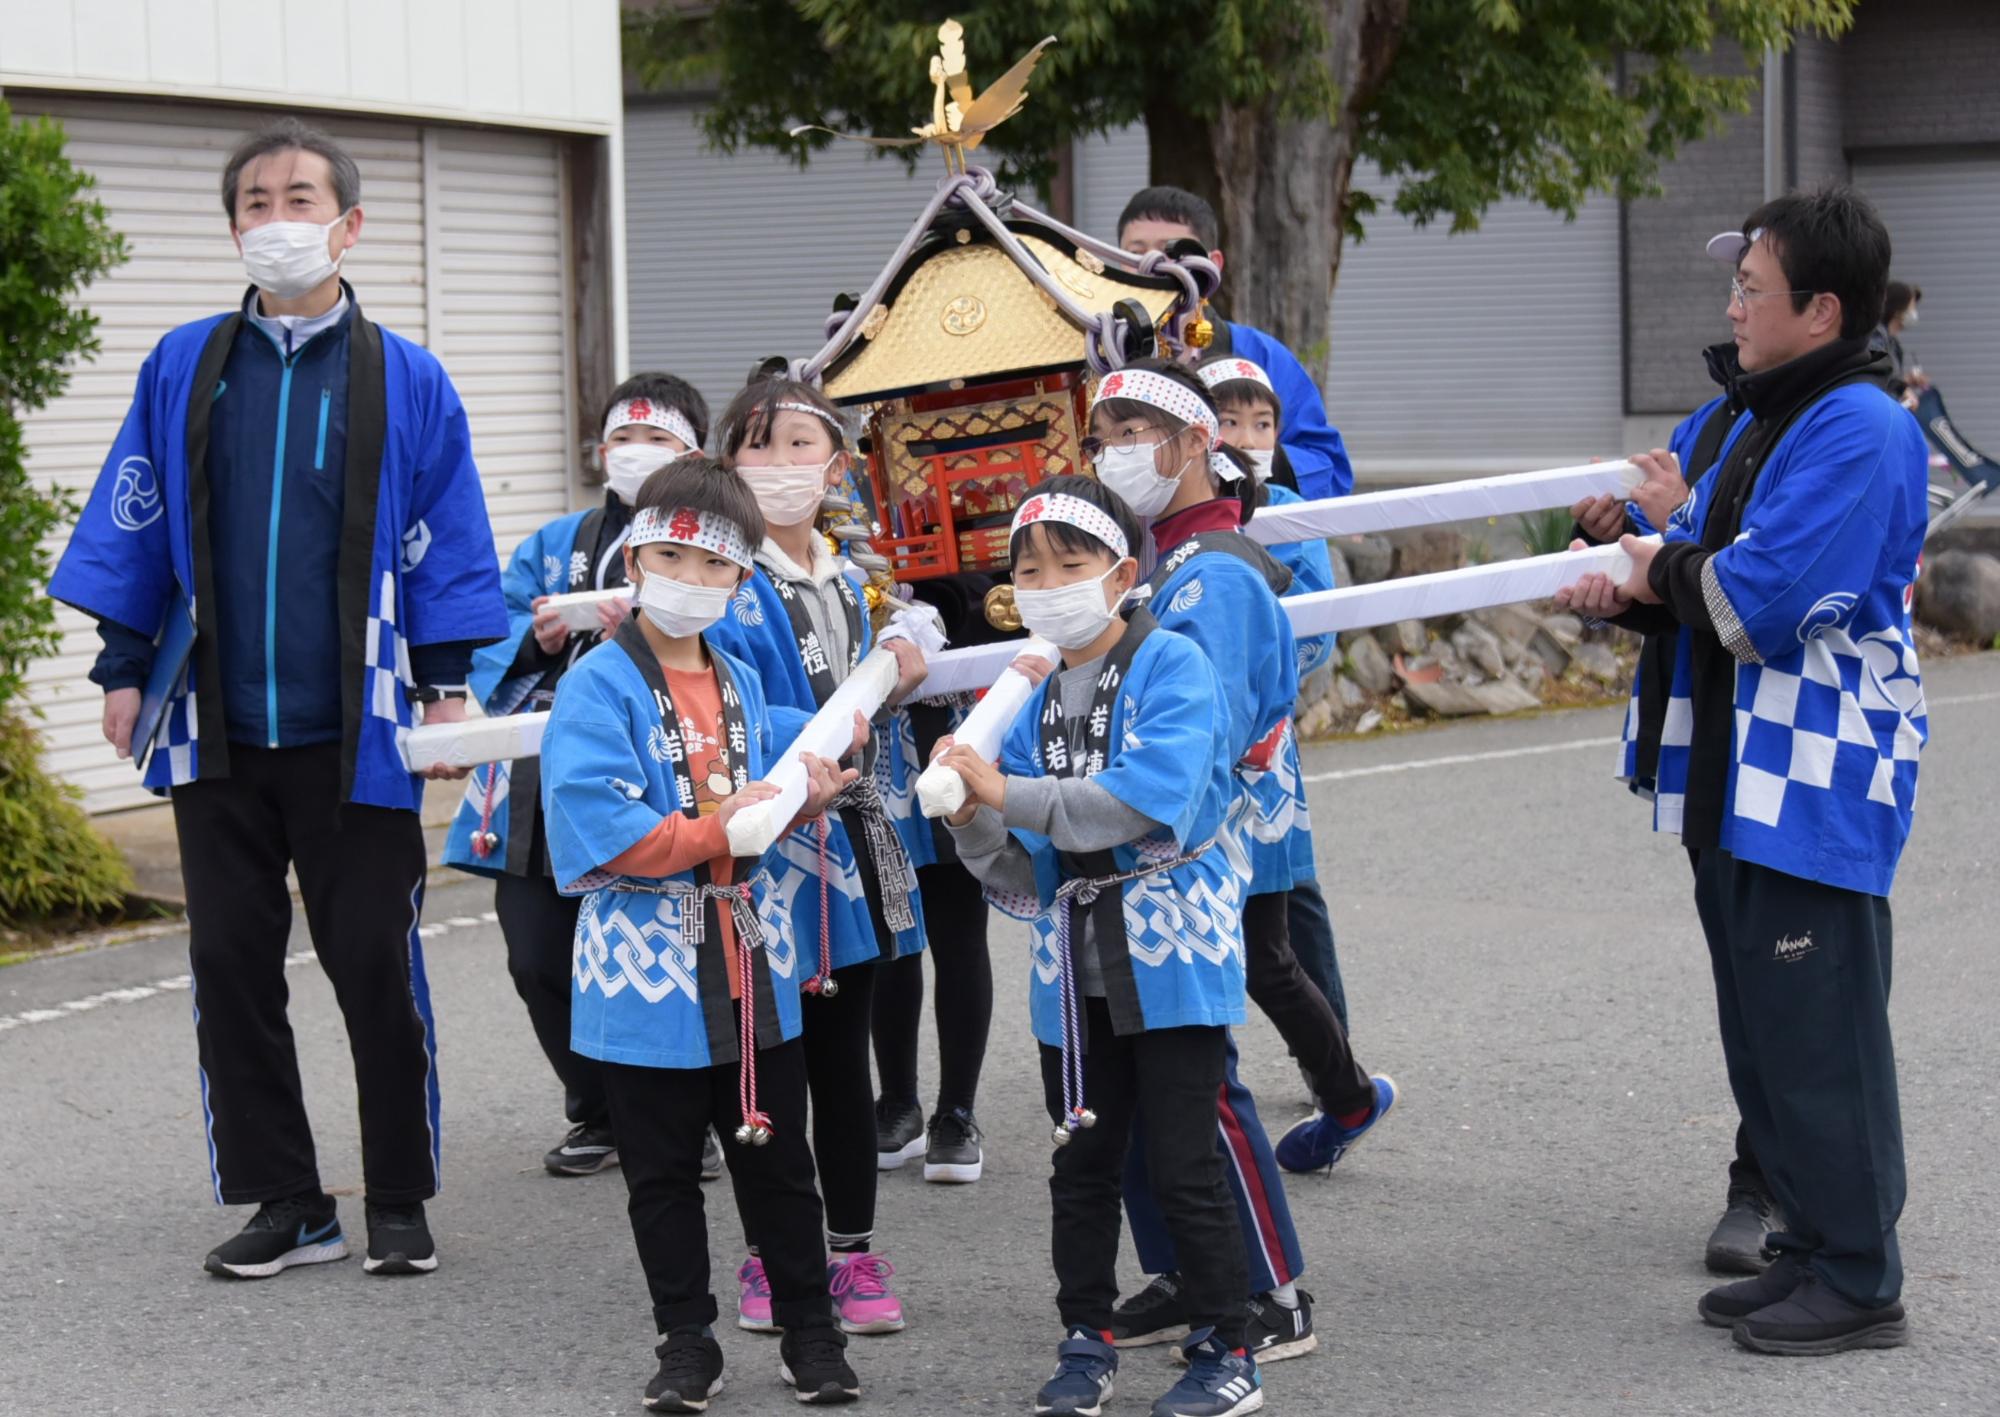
<point x="577" y="609"/>
<point x="940" y="791"/>
<point x="828" y="734"/>
<point x="477" y="740"/>
<point x="1465" y="501"/>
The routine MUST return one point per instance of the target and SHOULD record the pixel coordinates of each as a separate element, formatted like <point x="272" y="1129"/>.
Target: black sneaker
<point x="899" y="1132"/>
<point x="1275" y="1333"/>
<point x="587" y="1149"/>
<point x="812" y="1360"/>
<point x="1156" y="1314"/>
<point x="1724" y="1305"/>
<point x="690" y="1371"/>
<point x="301" y="1229"/>
<point x="1736" y="1245"/>
<point x="711" y="1156"/>
<point x="1813" y="1320"/>
<point x="399" y="1242"/>
<point x="953" y="1156"/>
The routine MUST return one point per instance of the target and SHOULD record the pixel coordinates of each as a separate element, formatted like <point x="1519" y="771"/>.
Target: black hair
<point x="1175" y="204"/>
<point x="1899" y="298"/>
<point x="1241" y="393"/>
<point x="1829" y="242"/>
<point x="756" y="408"/>
<point x="1125" y="410"/>
<point x="670" y="389"/>
<point x="1061" y="536"/>
<point x="289" y="135"/>
<point x="701" y="482"/>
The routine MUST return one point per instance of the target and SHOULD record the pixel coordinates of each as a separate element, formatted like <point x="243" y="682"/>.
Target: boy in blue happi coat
<point x="801" y="619"/>
<point x="1786" y="753"/>
<point x="687" y="981"/>
<point x="1102" y="824"/>
<point x="289" y="560"/>
<point x="649" y="420"/>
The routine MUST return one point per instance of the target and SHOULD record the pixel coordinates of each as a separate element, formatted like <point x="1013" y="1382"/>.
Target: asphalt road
<point x="1524" y="1236"/>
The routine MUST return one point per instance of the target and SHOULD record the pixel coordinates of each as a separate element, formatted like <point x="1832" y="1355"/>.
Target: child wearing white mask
<point x="650" y="420"/>
<point x="801" y="620"/>
<point x="655" y="741"/>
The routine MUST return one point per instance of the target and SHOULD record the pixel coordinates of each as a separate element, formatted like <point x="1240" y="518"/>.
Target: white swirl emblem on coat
<point x="1186" y="598"/>
<point x="656" y="744"/>
<point x="1827" y="612"/>
<point x="743" y="605"/>
<point x="135" y="495"/>
<point x="416" y="542"/>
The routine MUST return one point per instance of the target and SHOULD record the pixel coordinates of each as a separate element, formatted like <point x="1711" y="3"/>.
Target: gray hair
<point x="286" y="135"/>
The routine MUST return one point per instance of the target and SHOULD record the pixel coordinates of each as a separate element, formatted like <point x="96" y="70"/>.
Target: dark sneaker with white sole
<point x="899" y="1132"/>
<point x="1813" y="1321"/>
<point x="1156" y="1314"/>
<point x="711" y="1156"/>
<point x="690" y="1371"/>
<point x="399" y="1242"/>
<point x="1726" y="1304"/>
<point x="812" y="1361"/>
<point x="1219" y="1382"/>
<point x="296" y="1230"/>
<point x="954" y="1156"/>
<point x="1736" y="1245"/>
<point x="1085" y="1367"/>
<point x="1275" y="1333"/>
<point x="587" y="1150"/>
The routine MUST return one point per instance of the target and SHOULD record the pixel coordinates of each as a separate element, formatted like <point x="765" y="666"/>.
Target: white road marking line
<point x="1538" y="749"/>
<point x="134" y="993"/>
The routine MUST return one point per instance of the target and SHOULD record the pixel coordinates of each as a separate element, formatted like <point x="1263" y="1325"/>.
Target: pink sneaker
<point x="859" y="1287"/>
<point x="753" y="1304"/>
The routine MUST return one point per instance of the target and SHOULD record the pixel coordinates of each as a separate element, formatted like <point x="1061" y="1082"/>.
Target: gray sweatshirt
<point x="1074" y="813"/>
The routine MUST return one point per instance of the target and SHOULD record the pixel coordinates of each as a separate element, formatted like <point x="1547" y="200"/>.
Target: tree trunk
<point x="1282" y="179"/>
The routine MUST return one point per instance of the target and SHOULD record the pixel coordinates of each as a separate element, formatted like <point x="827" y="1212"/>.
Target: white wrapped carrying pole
<point x="940" y="790"/>
<point x="829" y="734"/>
<point x="1465" y="501"/>
<point x="476" y="740"/>
<point x="577" y="609"/>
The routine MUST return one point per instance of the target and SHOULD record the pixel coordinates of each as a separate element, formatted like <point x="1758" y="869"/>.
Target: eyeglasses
<point x="1093" y="447"/>
<point x="1739" y="296"/>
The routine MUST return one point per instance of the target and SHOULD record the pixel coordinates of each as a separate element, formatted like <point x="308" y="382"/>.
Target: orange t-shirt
<point x="678" y="843"/>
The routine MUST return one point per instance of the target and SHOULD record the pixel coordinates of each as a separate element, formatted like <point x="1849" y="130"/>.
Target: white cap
<point x="1729" y="246"/>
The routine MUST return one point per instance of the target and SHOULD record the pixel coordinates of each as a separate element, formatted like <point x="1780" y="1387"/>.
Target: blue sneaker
<point x="1319" y="1142"/>
<point x="1219" y="1382"/>
<point x="1085" y="1364"/>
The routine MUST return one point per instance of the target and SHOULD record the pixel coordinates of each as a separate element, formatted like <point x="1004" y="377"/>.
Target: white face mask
<point x="681" y="608"/>
<point x="1067" y="616"/>
<point x="1260" y="462"/>
<point x="1130" y="473"/>
<point x="788" y="493"/>
<point x="628" y="465"/>
<point x="1911" y="318"/>
<point x="288" y="258"/>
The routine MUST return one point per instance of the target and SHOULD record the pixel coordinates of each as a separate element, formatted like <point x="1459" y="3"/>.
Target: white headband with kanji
<point x="1073" y="511"/>
<point x="653" y="414"/>
<point x="684" y="526"/>
<point x="1170" y="396"/>
<point x="1223" y="371"/>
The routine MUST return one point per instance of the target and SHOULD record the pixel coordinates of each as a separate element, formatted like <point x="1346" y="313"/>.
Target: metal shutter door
<point x="1110" y="168"/>
<point x="1494" y="351"/>
<point x="1942" y="212"/>
<point x="158" y="168"/>
<point x="502" y="315"/>
<point x="734" y="257"/>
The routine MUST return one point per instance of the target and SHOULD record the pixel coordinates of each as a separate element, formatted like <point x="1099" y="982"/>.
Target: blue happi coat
<point x="540" y="565"/>
<point x="1318" y="456"/>
<point x="636" y="994"/>
<point x="758" y="631"/>
<point x="1813" y="601"/>
<point x="429" y="576"/>
<point x="1312" y="569"/>
<point x="1170" y="761"/>
<point x="1221" y="603"/>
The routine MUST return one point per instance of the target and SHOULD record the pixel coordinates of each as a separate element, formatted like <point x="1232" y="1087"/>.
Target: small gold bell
<point x="1001" y="612"/>
<point x="1200" y="333"/>
<point x="871" y="595"/>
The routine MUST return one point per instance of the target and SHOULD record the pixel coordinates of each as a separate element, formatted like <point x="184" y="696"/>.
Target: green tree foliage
<point x="53" y="241"/>
<point x="1261" y="105"/>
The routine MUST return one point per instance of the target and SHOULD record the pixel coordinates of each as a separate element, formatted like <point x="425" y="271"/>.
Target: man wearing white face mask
<point x="650" y="420"/>
<point x="289" y="548"/>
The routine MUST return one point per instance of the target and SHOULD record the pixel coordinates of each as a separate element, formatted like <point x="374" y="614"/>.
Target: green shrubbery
<point x="53" y="241"/>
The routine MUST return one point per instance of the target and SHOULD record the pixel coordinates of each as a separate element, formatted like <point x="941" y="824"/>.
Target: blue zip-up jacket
<point x="1318" y="456"/>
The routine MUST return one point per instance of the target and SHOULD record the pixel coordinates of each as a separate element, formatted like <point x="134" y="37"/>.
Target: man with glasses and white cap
<point x="1783" y="749"/>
